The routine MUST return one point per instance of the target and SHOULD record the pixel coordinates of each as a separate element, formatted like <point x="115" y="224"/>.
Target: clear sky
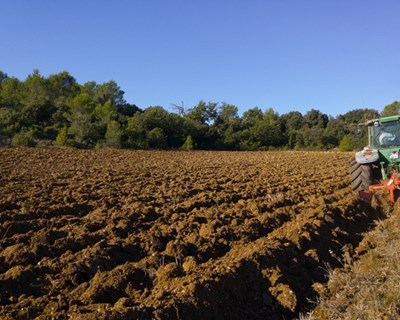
<point x="330" y="55"/>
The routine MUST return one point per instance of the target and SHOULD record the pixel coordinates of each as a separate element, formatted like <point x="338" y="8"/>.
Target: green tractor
<point x="377" y="166"/>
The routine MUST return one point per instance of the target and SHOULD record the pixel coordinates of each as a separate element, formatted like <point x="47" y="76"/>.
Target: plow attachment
<point x="390" y="184"/>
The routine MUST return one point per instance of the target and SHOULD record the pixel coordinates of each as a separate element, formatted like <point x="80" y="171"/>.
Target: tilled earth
<point x="117" y="234"/>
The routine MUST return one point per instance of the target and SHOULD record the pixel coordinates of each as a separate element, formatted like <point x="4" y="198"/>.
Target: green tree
<point x="246" y="137"/>
<point x="11" y="116"/>
<point x="135" y="135"/>
<point x="391" y="109"/>
<point x="291" y="123"/>
<point x="352" y="128"/>
<point x="311" y="134"/>
<point x="197" y="122"/>
<point x="10" y="93"/>
<point x="156" y="139"/>
<point x="267" y="132"/>
<point x="109" y="91"/>
<point x="90" y="88"/>
<point x="113" y="134"/>
<point x="227" y="126"/>
<point x="315" y="118"/>
<point x="62" y="88"/>
<point x="357" y="116"/>
<point x="155" y="117"/>
<point x="9" y="125"/>
<point x="204" y="113"/>
<point x="128" y="110"/>
<point x="251" y="117"/>
<point x="35" y="100"/>
<point x="170" y="123"/>
<point x="310" y="138"/>
<point x="105" y="113"/>
<point x="336" y="129"/>
<point x="80" y="116"/>
<point x="197" y="130"/>
<point x="3" y="76"/>
<point x="346" y="144"/>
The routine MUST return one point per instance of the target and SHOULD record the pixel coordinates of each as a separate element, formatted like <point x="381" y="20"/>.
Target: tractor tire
<point x="361" y="176"/>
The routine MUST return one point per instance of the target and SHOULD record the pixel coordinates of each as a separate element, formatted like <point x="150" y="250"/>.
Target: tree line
<point x="57" y="110"/>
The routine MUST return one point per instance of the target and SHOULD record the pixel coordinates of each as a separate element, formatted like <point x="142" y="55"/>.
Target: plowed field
<point x="113" y="234"/>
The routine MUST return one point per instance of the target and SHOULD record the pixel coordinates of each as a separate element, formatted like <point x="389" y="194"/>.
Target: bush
<point x="24" y="139"/>
<point x="188" y="145"/>
<point x="62" y="138"/>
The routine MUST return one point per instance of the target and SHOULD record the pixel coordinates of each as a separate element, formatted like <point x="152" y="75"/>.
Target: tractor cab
<point x="384" y="132"/>
<point x="383" y="145"/>
<point x="377" y="166"/>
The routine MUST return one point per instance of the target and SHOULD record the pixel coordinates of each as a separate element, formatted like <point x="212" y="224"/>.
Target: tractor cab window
<point x="385" y="135"/>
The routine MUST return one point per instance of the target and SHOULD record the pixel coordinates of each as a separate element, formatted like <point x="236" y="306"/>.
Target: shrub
<point x="188" y="145"/>
<point x="62" y="137"/>
<point x="24" y="139"/>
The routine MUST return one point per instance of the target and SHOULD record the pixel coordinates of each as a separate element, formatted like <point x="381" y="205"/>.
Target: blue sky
<point x="330" y="55"/>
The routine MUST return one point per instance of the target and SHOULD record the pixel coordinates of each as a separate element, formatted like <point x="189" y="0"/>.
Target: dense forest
<point x="56" y="110"/>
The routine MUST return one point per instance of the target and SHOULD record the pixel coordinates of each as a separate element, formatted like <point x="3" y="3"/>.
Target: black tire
<point x="361" y="176"/>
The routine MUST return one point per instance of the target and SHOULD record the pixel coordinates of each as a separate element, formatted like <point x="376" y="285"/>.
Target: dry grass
<point x="370" y="289"/>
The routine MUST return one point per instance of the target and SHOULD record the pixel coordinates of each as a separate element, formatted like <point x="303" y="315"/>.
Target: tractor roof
<point x="383" y="119"/>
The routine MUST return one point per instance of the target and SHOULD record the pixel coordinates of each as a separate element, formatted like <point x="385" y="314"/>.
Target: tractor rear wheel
<point x="361" y="176"/>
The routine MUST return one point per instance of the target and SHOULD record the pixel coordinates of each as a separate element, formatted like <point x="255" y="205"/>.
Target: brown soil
<point x="113" y="234"/>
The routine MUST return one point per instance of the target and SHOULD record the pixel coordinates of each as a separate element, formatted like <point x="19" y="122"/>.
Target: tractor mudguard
<point x="367" y="155"/>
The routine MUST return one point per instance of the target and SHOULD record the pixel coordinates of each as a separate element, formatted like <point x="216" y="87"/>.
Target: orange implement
<point x="389" y="184"/>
